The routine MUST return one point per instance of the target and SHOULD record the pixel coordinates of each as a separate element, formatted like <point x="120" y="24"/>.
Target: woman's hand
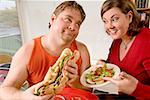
<point x="29" y="93"/>
<point x="101" y="62"/>
<point x="125" y="82"/>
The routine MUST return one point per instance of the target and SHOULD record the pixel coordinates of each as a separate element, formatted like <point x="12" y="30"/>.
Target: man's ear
<point x="130" y="15"/>
<point x="52" y="18"/>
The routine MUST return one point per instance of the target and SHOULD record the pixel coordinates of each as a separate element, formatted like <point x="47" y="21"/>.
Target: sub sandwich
<point x="56" y="78"/>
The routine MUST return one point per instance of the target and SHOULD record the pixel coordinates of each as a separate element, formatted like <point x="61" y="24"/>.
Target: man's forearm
<point x="77" y="84"/>
<point x="80" y="86"/>
<point x="10" y="93"/>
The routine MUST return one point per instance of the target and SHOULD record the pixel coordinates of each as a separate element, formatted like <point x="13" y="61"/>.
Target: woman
<point x="130" y="47"/>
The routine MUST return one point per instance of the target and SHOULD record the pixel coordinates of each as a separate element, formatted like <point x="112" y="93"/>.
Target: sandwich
<point x="56" y="78"/>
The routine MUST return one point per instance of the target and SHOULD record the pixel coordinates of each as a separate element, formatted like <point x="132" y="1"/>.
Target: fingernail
<point x="68" y="62"/>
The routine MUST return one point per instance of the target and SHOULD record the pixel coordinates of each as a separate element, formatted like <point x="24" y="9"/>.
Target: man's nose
<point x="72" y="27"/>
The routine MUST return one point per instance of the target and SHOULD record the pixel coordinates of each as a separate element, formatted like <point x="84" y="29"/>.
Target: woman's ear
<point x="130" y="16"/>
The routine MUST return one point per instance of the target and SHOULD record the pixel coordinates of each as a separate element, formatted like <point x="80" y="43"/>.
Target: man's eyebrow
<point x="79" y="21"/>
<point x="69" y="16"/>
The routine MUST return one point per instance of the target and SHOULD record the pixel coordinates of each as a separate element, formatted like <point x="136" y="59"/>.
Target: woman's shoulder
<point x="144" y="33"/>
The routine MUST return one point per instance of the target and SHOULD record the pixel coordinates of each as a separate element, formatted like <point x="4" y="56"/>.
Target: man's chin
<point x="68" y="39"/>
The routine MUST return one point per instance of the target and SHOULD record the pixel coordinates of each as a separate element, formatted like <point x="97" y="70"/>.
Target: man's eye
<point x="78" y="24"/>
<point x="67" y="20"/>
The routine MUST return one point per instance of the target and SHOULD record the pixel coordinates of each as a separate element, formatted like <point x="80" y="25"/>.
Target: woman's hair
<point x="72" y="5"/>
<point x="125" y="6"/>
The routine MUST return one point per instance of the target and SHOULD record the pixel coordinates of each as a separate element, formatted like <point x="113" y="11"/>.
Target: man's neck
<point x="53" y="47"/>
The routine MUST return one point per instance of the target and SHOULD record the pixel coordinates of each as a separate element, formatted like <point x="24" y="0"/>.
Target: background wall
<point x="34" y="18"/>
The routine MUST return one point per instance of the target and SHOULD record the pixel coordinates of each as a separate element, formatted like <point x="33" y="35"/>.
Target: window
<point x="10" y="37"/>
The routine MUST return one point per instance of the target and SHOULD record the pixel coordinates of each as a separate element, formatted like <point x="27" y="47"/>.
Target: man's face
<point x="66" y="25"/>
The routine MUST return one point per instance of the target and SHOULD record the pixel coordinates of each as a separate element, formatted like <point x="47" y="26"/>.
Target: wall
<point x="34" y="18"/>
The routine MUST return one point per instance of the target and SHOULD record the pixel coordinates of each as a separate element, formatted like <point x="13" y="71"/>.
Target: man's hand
<point x="29" y="93"/>
<point x="74" y="78"/>
<point x="72" y="73"/>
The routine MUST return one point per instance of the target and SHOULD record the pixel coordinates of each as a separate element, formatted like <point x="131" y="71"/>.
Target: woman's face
<point x="116" y="23"/>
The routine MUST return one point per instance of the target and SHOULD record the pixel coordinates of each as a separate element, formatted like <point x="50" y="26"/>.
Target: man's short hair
<point x="69" y="4"/>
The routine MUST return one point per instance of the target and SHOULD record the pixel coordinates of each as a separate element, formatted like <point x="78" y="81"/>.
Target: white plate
<point x="116" y="69"/>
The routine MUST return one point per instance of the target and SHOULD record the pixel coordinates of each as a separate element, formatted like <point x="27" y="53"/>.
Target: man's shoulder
<point x="26" y="49"/>
<point x="80" y="44"/>
<point x="28" y="45"/>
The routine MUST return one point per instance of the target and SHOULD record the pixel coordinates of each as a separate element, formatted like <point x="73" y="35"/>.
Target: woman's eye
<point x="115" y="19"/>
<point x="104" y="21"/>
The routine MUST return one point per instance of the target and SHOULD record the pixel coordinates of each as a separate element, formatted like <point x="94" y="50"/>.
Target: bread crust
<point x="55" y="79"/>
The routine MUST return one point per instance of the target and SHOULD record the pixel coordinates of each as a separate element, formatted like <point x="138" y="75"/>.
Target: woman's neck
<point x="126" y="40"/>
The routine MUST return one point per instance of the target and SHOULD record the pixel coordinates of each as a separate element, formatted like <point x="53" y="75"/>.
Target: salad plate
<point x="92" y="77"/>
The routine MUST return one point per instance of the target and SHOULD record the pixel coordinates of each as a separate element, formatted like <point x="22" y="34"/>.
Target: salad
<point x="96" y="76"/>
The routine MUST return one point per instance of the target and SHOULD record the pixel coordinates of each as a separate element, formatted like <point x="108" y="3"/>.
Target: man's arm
<point x="17" y="73"/>
<point x="85" y="61"/>
<point x="85" y="57"/>
<point x="84" y="53"/>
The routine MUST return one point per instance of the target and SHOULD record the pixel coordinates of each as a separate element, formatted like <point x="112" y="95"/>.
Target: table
<point x="106" y="96"/>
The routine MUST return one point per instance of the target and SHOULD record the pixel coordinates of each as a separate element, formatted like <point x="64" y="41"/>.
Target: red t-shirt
<point x="40" y="62"/>
<point x="136" y="62"/>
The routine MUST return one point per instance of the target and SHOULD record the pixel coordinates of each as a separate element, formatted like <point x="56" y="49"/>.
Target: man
<point x="33" y="59"/>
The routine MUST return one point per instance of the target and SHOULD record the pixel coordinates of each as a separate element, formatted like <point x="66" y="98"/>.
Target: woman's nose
<point x="110" y="25"/>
